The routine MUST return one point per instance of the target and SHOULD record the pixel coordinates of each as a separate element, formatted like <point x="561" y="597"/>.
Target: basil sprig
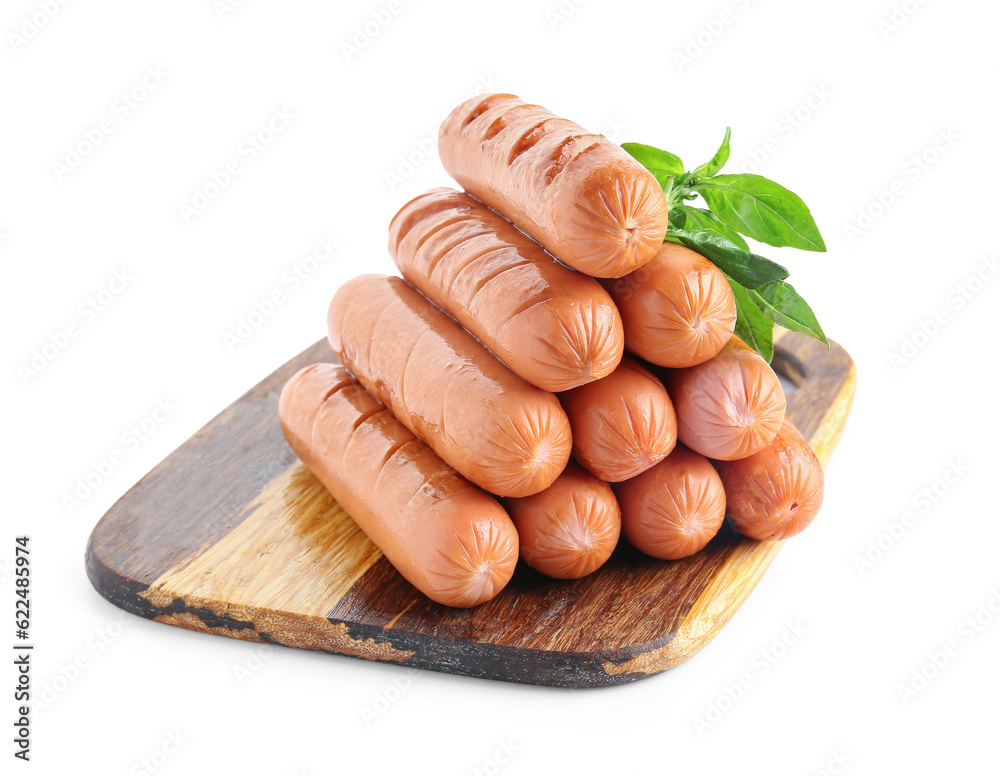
<point x="738" y="205"/>
<point x="663" y="164"/>
<point x="761" y="209"/>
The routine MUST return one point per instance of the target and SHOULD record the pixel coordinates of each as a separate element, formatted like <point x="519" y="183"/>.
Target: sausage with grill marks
<point x="554" y="327"/>
<point x="451" y="540"/>
<point x="503" y="434"/>
<point x="588" y="202"/>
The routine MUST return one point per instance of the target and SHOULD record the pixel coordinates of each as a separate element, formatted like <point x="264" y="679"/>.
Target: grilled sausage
<point x="553" y="327"/>
<point x="581" y="196"/>
<point x="569" y="529"/>
<point x="678" y="308"/>
<point x="451" y="540"/>
<point x="674" y="509"/>
<point x="729" y="407"/>
<point x="623" y="424"/>
<point x="504" y="435"/>
<point x="776" y="492"/>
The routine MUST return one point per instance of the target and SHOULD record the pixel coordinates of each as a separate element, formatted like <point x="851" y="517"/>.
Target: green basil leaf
<point x="662" y="164"/>
<point x="752" y="326"/>
<point x="697" y="219"/>
<point x="761" y="209"/>
<point x="748" y="269"/>
<point x="717" y="162"/>
<point x="780" y="302"/>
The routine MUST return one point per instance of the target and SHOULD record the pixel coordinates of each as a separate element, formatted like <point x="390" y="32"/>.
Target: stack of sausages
<point x="547" y="375"/>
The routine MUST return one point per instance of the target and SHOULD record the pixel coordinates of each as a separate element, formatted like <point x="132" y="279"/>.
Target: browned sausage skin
<point x="623" y="424"/>
<point x="674" y="509"/>
<point x="569" y="529"/>
<point x="593" y="206"/>
<point x="776" y="492"/>
<point x="729" y="407"/>
<point x="451" y="540"/>
<point x="678" y="308"/>
<point x="553" y="327"/>
<point x="503" y="434"/>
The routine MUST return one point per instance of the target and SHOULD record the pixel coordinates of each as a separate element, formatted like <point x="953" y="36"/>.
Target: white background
<point x="885" y="87"/>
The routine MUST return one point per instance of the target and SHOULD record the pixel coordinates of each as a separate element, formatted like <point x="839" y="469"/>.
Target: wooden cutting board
<point x="232" y="535"/>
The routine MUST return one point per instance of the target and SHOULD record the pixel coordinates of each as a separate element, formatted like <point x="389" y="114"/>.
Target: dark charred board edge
<point x="127" y="594"/>
<point x="509" y="664"/>
<point x="442" y="654"/>
<point x="437" y="653"/>
<point x="820" y="375"/>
